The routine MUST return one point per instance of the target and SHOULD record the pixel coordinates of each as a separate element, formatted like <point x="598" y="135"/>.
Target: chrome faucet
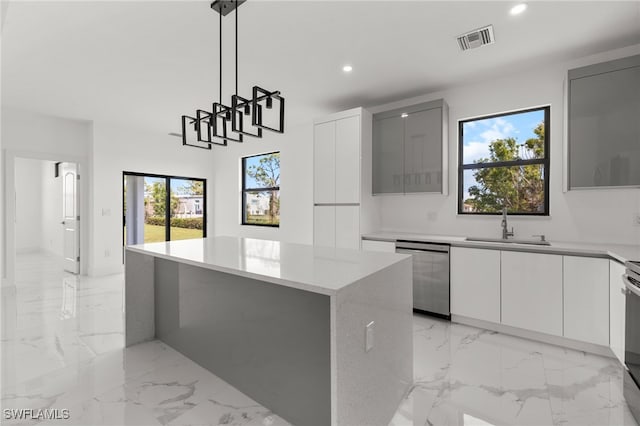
<point x="505" y="230"/>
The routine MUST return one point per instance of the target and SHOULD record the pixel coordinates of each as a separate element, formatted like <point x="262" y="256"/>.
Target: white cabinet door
<point x="324" y="226"/>
<point x="383" y="246"/>
<point x="586" y="299"/>
<point x="532" y="291"/>
<point x="617" y="309"/>
<point x="347" y="160"/>
<point x="475" y="283"/>
<point x="324" y="163"/>
<point x="347" y="227"/>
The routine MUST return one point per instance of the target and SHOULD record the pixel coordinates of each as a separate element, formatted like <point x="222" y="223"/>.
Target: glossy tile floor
<point x="62" y="347"/>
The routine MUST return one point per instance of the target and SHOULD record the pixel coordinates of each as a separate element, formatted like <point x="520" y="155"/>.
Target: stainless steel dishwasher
<point x="430" y="276"/>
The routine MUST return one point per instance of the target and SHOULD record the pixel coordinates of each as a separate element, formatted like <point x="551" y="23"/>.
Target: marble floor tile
<point x="62" y="347"/>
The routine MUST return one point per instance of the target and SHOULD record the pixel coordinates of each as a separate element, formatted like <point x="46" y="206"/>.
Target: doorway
<point x="12" y="244"/>
<point x="47" y="212"/>
<point x="157" y="208"/>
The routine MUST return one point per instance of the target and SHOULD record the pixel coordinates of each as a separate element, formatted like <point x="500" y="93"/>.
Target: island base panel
<point x="371" y="385"/>
<point x="269" y="341"/>
<point x="138" y="296"/>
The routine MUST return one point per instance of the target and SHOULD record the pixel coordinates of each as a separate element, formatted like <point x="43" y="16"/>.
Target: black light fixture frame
<point x="222" y="112"/>
<point x="188" y="121"/>
<point x="211" y="127"/>
<point x="257" y="108"/>
<point x="241" y="107"/>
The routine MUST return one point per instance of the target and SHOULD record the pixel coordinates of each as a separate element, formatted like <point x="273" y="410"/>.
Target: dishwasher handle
<point x="412" y="245"/>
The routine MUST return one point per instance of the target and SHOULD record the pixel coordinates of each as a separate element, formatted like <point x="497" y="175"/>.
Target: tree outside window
<point x="504" y="162"/>
<point x="261" y="190"/>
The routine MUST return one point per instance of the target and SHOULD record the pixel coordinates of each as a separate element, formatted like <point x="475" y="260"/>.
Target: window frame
<point x="545" y="162"/>
<point x="167" y="178"/>
<point x="244" y="191"/>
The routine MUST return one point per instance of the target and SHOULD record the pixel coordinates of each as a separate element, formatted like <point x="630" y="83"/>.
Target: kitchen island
<point x="318" y="335"/>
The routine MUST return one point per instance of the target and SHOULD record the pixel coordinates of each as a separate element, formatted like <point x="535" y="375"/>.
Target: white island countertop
<point x="317" y="269"/>
<point x="618" y="252"/>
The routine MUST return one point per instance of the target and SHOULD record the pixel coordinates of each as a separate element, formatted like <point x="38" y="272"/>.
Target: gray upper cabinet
<point x="604" y="124"/>
<point x="409" y="149"/>
<point x="388" y="155"/>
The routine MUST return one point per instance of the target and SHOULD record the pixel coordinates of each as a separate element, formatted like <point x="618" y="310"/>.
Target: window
<point x="504" y="162"/>
<point x="261" y="190"/>
<point x="162" y="208"/>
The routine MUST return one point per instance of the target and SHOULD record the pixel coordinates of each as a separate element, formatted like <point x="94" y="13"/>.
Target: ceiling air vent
<point x="476" y="38"/>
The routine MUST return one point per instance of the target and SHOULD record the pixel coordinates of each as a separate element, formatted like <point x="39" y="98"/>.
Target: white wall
<point x="117" y="149"/>
<point x="296" y="185"/>
<point x="38" y="207"/>
<point x="28" y="196"/>
<point x="51" y="205"/>
<point x="26" y="131"/>
<point x="586" y="215"/>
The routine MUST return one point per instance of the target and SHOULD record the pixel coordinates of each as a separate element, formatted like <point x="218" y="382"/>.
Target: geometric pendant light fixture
<point x="243" y="116"/>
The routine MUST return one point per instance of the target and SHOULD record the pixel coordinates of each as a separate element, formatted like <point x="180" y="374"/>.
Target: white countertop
<point x="317" y="269"/>
<point x="619" y="252"/>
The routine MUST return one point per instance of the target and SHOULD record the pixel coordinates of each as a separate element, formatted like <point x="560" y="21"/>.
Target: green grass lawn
<point x="155" y="233"/>
<point x="262" y="220"/>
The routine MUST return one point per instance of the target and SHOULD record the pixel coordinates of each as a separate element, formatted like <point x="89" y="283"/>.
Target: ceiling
<point x="147" y="63"/>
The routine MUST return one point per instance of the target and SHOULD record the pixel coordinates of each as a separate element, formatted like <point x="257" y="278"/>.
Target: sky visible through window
<point x="250" y="182"/>
<point x="479" y="134"/>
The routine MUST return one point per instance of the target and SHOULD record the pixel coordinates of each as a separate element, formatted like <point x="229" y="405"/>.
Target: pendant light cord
<point x="236" y="2"/>
<point x="220" y="100"/>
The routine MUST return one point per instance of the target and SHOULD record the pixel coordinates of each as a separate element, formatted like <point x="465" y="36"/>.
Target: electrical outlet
<point x="107" y="253"/>
<point x="368" y="340"/>
<point x="636" y="219"/>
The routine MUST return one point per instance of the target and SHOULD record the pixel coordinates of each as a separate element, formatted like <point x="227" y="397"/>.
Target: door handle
<point x="62" y="223"/>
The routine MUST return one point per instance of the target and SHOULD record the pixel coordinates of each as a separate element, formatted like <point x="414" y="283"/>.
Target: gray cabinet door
<point x="423" y="151"/>
<point x="408" y="149"/>
<point x="388" y="155"/>
<point x="604" y="129"/>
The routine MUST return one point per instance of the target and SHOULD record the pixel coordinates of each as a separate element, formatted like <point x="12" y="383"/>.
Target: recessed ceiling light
<point x="518" y="9"/>
<point x="347" y="68"/>
<point x="404" y="115"/>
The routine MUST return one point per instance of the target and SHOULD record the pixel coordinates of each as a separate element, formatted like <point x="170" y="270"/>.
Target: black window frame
<point x="545" y="162"/>
<point x="243" y="210"/>
<point x="167" y="178"/>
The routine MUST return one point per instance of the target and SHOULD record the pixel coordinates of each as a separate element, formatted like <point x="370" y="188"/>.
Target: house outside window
<point x="261" y="190"/>
<point x="504" y="162"/>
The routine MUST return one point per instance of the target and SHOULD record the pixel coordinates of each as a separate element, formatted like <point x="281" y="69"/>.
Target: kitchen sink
<point x="510" y="241"/>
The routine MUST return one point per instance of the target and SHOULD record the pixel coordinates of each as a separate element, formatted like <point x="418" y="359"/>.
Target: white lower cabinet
<point x="324" y="226"/>
<point x="617" y="309"/>
<point x="576" y="297"/>
<point x="475" y="283"/>
<point x="336" y="226"/>
<point x="347" y="231"/>
<point x="532" y="291"/>
<point x="586" y="299"/>
<point x="383" y="246"/>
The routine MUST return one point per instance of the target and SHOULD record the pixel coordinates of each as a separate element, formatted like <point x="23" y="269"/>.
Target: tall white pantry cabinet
<point x="343" y="206"/>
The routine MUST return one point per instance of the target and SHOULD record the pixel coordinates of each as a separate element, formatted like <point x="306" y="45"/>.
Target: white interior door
<point x="70" y="217"/>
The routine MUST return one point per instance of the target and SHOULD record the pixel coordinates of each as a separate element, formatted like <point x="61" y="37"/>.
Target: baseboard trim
<point x="537" y="336"/>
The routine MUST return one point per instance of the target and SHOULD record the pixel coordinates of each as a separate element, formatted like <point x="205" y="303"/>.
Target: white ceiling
<point x="150" y="62"/>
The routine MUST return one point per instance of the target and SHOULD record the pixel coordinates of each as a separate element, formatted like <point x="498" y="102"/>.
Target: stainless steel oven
<point x="632" y="338"/>
<point x="430" y="276"/>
